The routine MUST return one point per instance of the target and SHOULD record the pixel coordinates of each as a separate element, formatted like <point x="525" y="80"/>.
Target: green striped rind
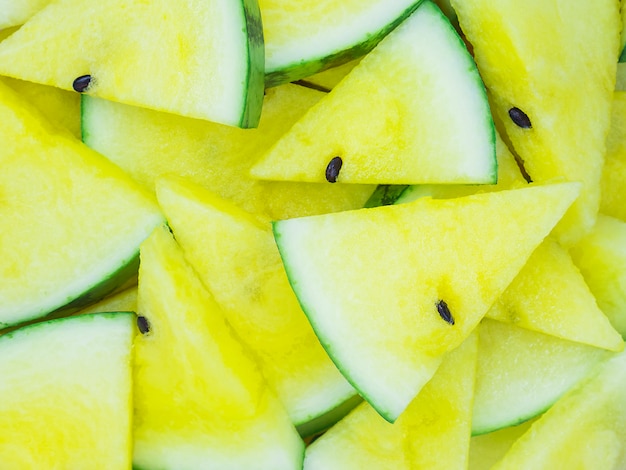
<point x="480" y="85"/>
<point x="326" y="420"/>
<point x="325" y="344"/>
<point x="255" y="85"/>
<point x="386" y="195"/>
<point x="301" y="69"/>
<point x="385" y="410"/>
<point x="522" y="373"/>
<point x="241" y="74"/>
<point x="461" y="109"/>
<point x="33" y="327"/>
<point x="584" y="429"/>
<point x="117" y="280"/>
<point x="66" y="376"/>
<point x="622" y="57"/>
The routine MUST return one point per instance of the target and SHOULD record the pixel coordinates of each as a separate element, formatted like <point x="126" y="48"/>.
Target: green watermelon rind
<point x="118" y="279"/>
<point x="297" y="70"/>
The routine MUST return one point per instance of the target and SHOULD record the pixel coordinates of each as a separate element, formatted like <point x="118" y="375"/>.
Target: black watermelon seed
<point x="520" y="118"/>
<point x="444" y="312"/>
<point x="333" y="168"/>
<point x="143" y="325"/>
<point x="82" y="83"/>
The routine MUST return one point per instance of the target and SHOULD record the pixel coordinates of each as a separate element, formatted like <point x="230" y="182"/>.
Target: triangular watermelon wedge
<point x="198" y="59"/>
<point x="446" y="262"/>
<point x="414" y="110"/>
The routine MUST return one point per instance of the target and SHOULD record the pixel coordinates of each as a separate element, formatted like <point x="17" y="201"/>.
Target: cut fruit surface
<point x="203" y="60"/>
<point x="549" y="295"/>
<point x="430" y="296"/>
<point x="200" y="399"/>
<point x="521" y="373"/>
<point x="361" y="440"/>
<point x="622" y="56"/>
<point x="433" y="432"/>
<point x="509" y="177"/>
<point x="14" y="13"/>
<point x="601" y="257"/>
<point x="487" y="449"/>
<point x="551" y="78"/>
<point x="585" y="429"/>
<point x="384" y="128"/>
<point x="147" y="144"/>
<point x="124" y="301"/>
<point x="236" y="257"/>
<point x="614" y="171"/>
<point x="94" y="217"/>
<point x="61" y="107"/>
<point x="66" y="394"/>
<point x="305" y="37"/>
<point x="438" y="421"/>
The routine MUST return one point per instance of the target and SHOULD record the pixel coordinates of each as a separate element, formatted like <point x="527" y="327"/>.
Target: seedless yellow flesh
<point x="601" y="257"/>
<point x="236" y="257"/>
<point x="66" y="395"/>
<point x="61" y="107"/>
<point x="549" y="295"/>
<point x="613" y="189"/>
<point x="433" y="433"/>
<point x="486" y="449"/>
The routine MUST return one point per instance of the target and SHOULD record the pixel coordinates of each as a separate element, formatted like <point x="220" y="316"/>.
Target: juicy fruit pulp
<point x="585" y="429"/>
<point x="148" y="144"/>
<point x="368" y="318"/>
<point x="384" y="128"/>
<point x="219" y="413"/>
<point x="60" y="106"/>
<point x="601" y="256"/>
<point x="198" y="59"/>
<point x="548" y="295"/>
<point x="65" y="394"/>
<point x="433" y="432"/>
<point x="92" y="214"/>
<point x="236" y="257"/>
<point x="614" y="171"/>
<point x="521" y="373"/>
<point x="547" y="60"/>
<point x="440" y="425"/>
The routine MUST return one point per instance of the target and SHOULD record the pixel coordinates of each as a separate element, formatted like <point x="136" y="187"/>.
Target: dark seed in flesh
<point x="520" y="118"/>
<point x="82" y="83"/>
<point x="333" y="168"/>
<point x="444" y="312"/>
<point x="143" y="325"/>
